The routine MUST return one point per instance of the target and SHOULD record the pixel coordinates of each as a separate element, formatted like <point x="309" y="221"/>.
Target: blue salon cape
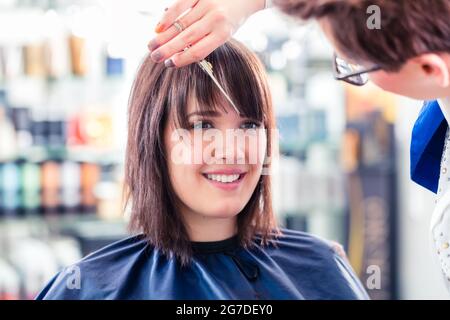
<point x="300" y="267"/>
<point x="427" y="144"/>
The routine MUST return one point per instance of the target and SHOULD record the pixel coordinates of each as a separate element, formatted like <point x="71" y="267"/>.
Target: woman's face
<point x="216" y="163"/>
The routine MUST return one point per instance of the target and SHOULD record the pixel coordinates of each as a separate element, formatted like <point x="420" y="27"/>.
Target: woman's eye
<point x="250" y="125"/>
<point x="201" y="125"/>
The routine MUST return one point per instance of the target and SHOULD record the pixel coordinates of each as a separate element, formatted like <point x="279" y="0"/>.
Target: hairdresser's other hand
<point x="208" y="25"/>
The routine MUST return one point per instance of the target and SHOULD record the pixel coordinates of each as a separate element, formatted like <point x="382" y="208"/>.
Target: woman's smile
<point x="225" y="179"/>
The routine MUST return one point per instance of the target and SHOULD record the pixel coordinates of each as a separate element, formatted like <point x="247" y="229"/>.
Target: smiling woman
<point x="206" y="228"/>
<point x="187" y="99"/>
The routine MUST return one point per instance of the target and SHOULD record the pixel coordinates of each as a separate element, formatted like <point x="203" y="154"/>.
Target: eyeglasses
<point x="351" y="73"/>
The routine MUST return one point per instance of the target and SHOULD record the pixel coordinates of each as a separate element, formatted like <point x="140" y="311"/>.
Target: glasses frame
<point x="347" y="77"/>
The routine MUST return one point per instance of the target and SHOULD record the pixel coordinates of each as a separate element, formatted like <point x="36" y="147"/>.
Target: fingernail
<point x="169" y="63"/>
<point x="152" y="45"/>
<point x="157" y="56"/>
<point x="159" y="27"/>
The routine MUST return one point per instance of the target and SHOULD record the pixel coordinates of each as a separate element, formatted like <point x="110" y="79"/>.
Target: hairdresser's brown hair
<point x="156" y="92"/>
<point x="408" y="27"/>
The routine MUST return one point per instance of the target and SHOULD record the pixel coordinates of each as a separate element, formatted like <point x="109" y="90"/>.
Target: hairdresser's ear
<point x="434" y="65"/>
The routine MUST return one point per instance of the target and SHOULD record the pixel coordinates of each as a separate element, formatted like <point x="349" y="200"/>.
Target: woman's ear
<point x="435" y="66"/>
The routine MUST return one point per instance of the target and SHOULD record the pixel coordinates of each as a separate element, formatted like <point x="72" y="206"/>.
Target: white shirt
<point x="440" y="219"/>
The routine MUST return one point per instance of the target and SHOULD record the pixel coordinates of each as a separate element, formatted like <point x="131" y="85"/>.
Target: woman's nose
<point x="230" y="151"/>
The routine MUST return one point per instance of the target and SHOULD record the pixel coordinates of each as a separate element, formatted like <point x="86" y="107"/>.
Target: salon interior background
<point x="65" y="73"/>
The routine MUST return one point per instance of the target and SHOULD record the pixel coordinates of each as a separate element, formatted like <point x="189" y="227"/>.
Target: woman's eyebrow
<point x="250" y="118"/>
<point x="206" y="113"/>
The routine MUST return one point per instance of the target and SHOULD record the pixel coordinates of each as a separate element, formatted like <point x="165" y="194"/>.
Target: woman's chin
<point x="224" y="212"/>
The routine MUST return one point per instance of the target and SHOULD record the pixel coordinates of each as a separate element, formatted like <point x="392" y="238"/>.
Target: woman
<point x="204" y="209"/>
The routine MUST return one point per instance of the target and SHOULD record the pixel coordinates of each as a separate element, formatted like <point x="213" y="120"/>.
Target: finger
<point x="196" y="52"/>
<point x="185" y="39"/>
<point x="173" y="12"/>
<point x="197" y="13"/>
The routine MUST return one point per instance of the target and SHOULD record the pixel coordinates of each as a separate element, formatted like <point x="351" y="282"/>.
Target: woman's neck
<point x="201" y="228"/>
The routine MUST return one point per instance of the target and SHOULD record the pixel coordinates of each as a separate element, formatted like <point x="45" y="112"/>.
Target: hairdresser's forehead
<point x="326" y="28"/>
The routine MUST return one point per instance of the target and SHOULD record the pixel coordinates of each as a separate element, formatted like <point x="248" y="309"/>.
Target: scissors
<point x="208" y="68"/>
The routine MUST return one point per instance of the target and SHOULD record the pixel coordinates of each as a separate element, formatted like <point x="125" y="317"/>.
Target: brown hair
<point x="156" y="92"/>
<point x="408" y="27"/>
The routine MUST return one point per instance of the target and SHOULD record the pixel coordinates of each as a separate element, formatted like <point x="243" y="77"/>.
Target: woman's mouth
<point x="225" y="181"/>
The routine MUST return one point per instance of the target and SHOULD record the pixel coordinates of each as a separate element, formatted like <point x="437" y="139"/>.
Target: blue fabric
<point x="427" y="144"/>
<point x="301" y="266"/>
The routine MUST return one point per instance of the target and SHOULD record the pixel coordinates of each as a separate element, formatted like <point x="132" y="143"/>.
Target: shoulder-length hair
<point x="156" y="92"/>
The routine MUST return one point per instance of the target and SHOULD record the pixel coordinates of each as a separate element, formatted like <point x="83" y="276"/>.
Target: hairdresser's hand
<point x="208" y="25"/>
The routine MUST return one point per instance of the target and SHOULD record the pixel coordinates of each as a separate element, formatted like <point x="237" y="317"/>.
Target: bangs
<point x="240" y="74"/>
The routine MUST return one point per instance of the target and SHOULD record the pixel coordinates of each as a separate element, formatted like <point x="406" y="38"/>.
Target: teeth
<point x="223" y="178"/>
